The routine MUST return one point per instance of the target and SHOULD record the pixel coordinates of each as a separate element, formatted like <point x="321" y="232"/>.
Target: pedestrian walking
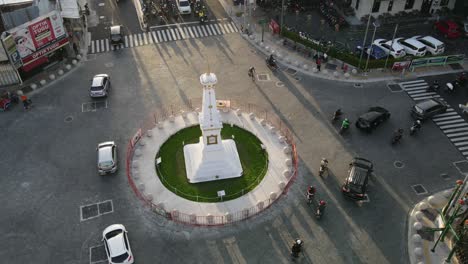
<point x="319" y="63"/>
<point x="252" y="73"/>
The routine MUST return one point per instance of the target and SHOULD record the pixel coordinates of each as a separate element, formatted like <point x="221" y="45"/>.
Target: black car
<point x="428" y="108"/>
<point x="355" y="185"/>
<point x="116" y="35"/>
<point x="372" y="118"/>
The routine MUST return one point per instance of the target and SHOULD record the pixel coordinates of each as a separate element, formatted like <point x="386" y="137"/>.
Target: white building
<point x="378" y="7"/>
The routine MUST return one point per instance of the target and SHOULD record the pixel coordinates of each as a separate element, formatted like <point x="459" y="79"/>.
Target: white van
<point x="412" y="46"/>
<point x="433" y="45"/>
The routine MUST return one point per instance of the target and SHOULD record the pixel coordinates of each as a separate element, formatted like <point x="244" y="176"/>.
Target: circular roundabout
<point x="172" y="172"/>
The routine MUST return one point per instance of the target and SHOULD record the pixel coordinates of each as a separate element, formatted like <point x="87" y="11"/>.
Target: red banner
<point x="46" y="50"/>
<point x="41" y="33"/>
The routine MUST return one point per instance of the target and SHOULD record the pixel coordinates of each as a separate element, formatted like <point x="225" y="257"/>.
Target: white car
<point x="433" y="45"/>
<point x="117" y="245"/>
<point x="107" y="157"/>
<point x="100" y="86"/>
<point x="412" y="46"/>
<point x="184" y="7"/>
<point x="395" y="50"/>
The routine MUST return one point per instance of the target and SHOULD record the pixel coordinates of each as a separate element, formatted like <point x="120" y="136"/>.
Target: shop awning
<point x="70" y="9"/>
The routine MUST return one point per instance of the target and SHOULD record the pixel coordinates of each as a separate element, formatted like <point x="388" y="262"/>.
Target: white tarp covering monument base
<point x="212" y="158"/>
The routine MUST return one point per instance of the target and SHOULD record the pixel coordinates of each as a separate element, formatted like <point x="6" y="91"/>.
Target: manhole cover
<point x="419" y="189"/>
<point x="445" y="176"/>
<point x="89" y="211"/>
<point x="358" y="85"/>
<point x="105" y="207"/>
<point x="456" y="66"/>
<point x="398" y="164"/>
<point x="97" y="253"/>
<point x="330" y="66"/>
<point x="279" y="84"/>
<point x="291" y="71"/>
<point x="462" y="166"/>
<point x="394" y="87"/>
<point x="68" y="119"/>
<point x="263" y="77"/>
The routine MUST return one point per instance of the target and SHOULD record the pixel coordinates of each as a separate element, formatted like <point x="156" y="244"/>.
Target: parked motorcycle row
<point x="330" y="14"/>
<point x="163" y="9"/>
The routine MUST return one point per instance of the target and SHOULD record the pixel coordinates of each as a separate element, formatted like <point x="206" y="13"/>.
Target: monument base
<point x="202" y="165"/>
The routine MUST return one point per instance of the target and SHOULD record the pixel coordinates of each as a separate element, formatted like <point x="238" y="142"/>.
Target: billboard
<point x="37" y="34"/>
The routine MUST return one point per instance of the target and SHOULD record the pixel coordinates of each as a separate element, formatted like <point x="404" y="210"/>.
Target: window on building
<point x="444" y="2"/>
<point x="376" y="6"/>
<point x="409" y="4"/>
<point x="390" y="6"/>
<point x="357" y="5"/>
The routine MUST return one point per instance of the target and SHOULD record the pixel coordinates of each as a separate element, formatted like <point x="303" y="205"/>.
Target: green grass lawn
<point x="172" y="168"/>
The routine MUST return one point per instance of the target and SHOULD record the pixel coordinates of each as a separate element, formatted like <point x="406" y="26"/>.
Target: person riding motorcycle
<point x="272" y="61"/>
<point x="310" y="193"/>
<point x="296" y="248"/>
<point x="417" y="124"/>
<point x="345" y="124"/>
<point x="337" y="114"/>
<point x="398" y="135"/>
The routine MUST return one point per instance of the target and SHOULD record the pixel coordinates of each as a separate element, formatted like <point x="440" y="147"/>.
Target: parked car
<point x="355" y="185"/>
<point x="395" y="50"/>
<point x="372" y="118"/>
<point x="100" y="86"/>
<point x="428" y="108"/>
<point x="184" y="7"/>
<point x="116" y="35"/>
<point x="107" y="157"/>
<point x="376" y="52"/>
<point x="412" y="46"/>
<point x="117" y="245"/>
<point x="448" y="28"/>
<point x="433" y="45"/>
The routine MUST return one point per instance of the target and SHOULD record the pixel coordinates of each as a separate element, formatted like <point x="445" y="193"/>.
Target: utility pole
<point x="391" y="46"/>
<point x="282" y="14"/>
<point x="364" y="42"/>
<point x="376" y="25"/>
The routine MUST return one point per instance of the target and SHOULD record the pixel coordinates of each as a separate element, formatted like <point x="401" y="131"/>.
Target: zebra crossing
<point x="165" y="35"/>
<point x="450" y="122"/>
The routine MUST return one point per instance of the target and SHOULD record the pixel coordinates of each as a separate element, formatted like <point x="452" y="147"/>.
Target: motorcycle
<point x="203" y="17"/>
<point x="344" y="128"/>
<point x="296" y="248"/>
<point x="310" y="194"/>
<point x="4" y="104"/>
<point x="433" y="88"/>
<point x="337" y="115"/>
<point x="320" y="209"/>
<point x="415" y="128"/>
<point x="271" y="64"/>
<point x="451" y="87"/>
<point x="323" y="167"/>
<point x="397" y="137"/>
<point x="461" y="78"/>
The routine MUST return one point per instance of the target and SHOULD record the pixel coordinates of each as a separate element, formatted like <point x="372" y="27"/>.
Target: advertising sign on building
<point x="12" y="52"/>
<point x="38" y="34"/>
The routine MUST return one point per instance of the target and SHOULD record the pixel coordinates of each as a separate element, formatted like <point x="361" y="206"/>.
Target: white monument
<point x="212" y="158"/>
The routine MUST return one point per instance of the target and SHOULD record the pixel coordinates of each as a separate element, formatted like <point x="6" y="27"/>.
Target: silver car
<point x="107" y="157"/>
<point x="100" y="86"/>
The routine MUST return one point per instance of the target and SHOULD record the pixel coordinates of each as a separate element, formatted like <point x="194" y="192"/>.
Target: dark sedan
<point x="372" y="118"/>
<point x="428" y="108"/>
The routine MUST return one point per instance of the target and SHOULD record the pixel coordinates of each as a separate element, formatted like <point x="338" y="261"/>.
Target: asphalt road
<point x="49" y="166"/>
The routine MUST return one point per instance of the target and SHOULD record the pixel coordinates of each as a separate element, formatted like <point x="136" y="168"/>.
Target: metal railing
<point x="163" y="114"/>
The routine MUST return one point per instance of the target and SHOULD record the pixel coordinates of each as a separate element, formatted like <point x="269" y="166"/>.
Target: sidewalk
<point x="420" y="242"/>
<point x="294" y="62"/>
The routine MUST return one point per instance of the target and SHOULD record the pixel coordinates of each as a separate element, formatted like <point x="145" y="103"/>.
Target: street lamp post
<point x="376" y="25"/>
<point x="281" y="20"/>
<point x="391" y="46"/>
<point x="364" y="42"/>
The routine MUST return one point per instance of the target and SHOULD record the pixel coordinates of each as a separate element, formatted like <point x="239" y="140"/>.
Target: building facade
<point x="378" y="7"/>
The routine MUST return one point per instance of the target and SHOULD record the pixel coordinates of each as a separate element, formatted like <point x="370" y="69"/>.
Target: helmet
<point x="322" y="202"/>
<point x="298" y="241"/>
<point x="418" y="121"/>
<point x="346" y="120"/>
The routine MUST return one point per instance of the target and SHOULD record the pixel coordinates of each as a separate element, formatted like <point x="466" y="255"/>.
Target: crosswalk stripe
<point x="415" y="81"/>
<point x="457" y="134"/>
<point x="410" y="86"/>
<point x="205" y="33"/>
<point x="150" y="38"/>
<point x="145" y="39"/>
<point x="462" y="148"/>
<point x="450" y="122"/>
<point x="189" y="29"/>
<point x="154" y="37"/>
<point x="228" y="30"/>
<point x="163" y="33"/>
<point x="98" y="47"/>
<point x="195" y="31"/>
<point x="213" y="29"/>
<point x="126" y="41"/>
<point x="221" y="28"/>
<point x="234" y="26"/>
<point x="464" y="153"/>
<point x="453" y="125"/>
<point x="445" y="118"/>
<point x="458" y="139"/>
<point x="417" y="88"/>
<point x="419" y="92"/>
<point x="130" y="41"/>
<point x="92" y="46"/>
<point x="113" y="47"/>
<point x="182" y="32"/>
<point x="139" y="40"/>
<point x="230" y="27"/>
<point x="418" y="98"/>
<point x="455" y="130"/>
<point x="159" y="36"/>
<point x="451" y="113"/>
<point x="174" y="35"/>
<point x="107" y="44"/>
<point x="220" y="32"/>
<point x="461" y="143"/>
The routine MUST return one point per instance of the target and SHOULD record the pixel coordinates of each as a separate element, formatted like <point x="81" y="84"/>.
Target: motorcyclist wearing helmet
<point x="296" y="248"/>
<point x="345" y="123"/>
<point x="417" y="124"/>
<point x="271" y="60"/>
<point x="310" y="192"/>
